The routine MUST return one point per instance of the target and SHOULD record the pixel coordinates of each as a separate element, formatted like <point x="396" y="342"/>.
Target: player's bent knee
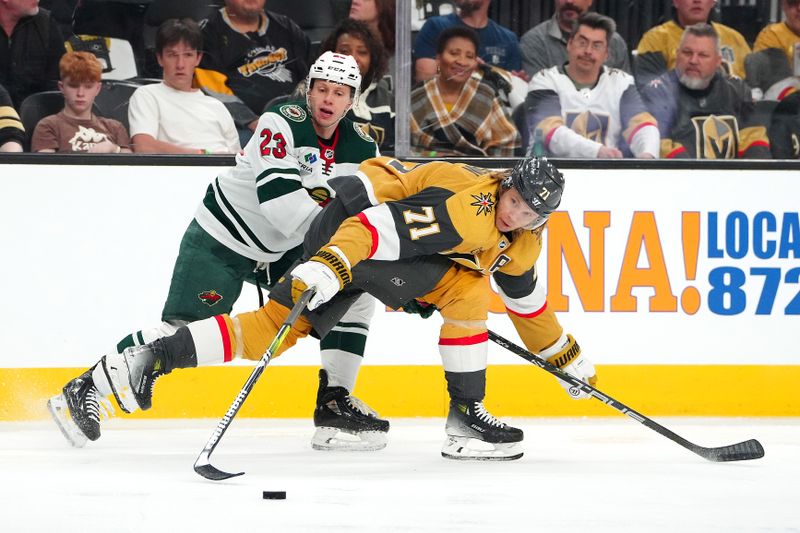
<point x="257" y="329"/>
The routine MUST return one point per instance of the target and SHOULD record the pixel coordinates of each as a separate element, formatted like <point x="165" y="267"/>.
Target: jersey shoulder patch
<point x="361" y="131"/>
<point x="293" y="112"/>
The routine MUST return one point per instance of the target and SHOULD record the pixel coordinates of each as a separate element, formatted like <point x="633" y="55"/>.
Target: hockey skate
<point x="133" y="374"/>
<point x="344" y="422"/>
<point x="77" y="410"/>
<point x="474" y="434"/>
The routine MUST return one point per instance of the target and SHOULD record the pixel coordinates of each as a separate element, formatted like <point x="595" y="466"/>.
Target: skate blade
<point x="334" y="439"/>
<point x="469" y="449"/>
<point x="57" y="406"/>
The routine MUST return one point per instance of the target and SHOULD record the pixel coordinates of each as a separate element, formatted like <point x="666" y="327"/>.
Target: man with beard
<point x="586" y="109"/>
<point x="545" y="45"/>
<point x="498" y="46"/>
<point x="658" y="47"/>
<point x="701" y="112"/>
<point x="253" y="55"/>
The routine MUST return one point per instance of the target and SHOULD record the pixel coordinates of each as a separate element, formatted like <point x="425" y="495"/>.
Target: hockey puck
<point x="274" y="495"/>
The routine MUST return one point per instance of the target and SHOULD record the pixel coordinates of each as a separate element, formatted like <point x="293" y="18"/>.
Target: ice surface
<point x="577" y="475"/>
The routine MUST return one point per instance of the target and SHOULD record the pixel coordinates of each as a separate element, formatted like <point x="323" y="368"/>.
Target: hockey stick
<point x="742" y="451"/>
<point x="203" y="465"/>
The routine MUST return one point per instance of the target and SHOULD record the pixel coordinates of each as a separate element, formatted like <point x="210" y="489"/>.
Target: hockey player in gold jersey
<point x="407" y="233"/>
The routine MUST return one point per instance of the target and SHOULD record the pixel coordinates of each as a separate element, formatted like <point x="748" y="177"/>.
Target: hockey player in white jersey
<point x="251" y="223"/>
<point x="585" y="109"/>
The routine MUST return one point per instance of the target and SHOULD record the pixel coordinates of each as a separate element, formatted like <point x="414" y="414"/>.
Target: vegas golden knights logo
<point x="588" y="124"/>
<point x="716" y="136"/>
<point x="372" y="131"/>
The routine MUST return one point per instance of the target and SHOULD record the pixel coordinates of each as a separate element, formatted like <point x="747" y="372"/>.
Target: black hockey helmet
<point x="539" y="183"/>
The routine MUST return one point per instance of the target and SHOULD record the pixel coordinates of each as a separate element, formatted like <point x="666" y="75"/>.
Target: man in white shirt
<point x="585" y="109"/>
<point x="172" y="117"/>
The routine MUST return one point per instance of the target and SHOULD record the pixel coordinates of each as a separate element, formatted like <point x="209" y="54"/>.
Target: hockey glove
<point x="566" y="355"/>
<point x="327" y="272"/>
<point x="418" y="307"/>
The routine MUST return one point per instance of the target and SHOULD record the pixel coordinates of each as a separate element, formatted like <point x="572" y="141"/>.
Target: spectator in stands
<point x="375" y="106"/>
<point x="172" y="116"/>
<point x="586" y="109"/>
<point x="252" y="54"/>
<point x="76" y="128"/>
<point x="785" y="35"/>
<point x="455" y="113"/>
<point x="658" y="47"/>
<point x="545" y="45"/>
<point x="12" y="132"/>
<point x="703" y="113"/>
<point x="30" y="47"/>
<point x="380" y="16"/>
<point x="498" y="46"/>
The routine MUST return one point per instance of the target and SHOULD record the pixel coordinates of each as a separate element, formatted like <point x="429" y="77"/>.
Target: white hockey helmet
<point x="337" y="68"/>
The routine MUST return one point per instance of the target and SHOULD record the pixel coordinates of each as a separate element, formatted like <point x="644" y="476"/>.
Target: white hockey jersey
<point x="577" y="122"/>
<point x="264" y="205"/>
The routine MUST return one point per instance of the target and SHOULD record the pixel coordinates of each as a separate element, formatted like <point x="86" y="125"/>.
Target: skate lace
<point x="360" y="406"/>
<point x="485" y="416"/>
<point x="98" y="406"/>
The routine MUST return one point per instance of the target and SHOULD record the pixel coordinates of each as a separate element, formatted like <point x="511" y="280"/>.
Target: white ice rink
<point x="587" y="475"/>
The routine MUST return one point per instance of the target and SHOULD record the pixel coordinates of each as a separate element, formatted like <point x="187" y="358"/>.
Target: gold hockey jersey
<point x="406" y="210"/>
<point x="422" y="209"/>
<point x="779" y="36"/>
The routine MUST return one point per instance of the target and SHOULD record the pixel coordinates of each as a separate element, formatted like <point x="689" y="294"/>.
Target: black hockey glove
<point x="416" y="307"/>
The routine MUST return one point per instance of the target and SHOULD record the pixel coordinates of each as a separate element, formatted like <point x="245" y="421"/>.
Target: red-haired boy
<point x="76" y="128"/>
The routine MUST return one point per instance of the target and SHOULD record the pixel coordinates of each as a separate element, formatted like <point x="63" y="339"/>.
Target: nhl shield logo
<point x="210" y="298"/>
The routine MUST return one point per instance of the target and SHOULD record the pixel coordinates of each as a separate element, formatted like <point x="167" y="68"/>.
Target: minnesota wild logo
<point x="484" y="203"/>
<point x="210" y="298"/>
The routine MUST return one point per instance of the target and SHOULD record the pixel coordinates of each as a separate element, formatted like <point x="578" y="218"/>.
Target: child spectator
<point x="75" y="128"/>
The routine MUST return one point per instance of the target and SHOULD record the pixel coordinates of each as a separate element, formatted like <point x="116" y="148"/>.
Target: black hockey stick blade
<point x="742" y="451"/>
<point x="203" y="467"/>
<point x="203" y="464"/>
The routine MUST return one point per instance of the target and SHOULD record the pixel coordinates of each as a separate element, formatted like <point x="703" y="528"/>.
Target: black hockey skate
<point x="78" y="408"/>
<point x="474" y="434"/>
<point x="344" y="422"/>
<point x="133" y="374"/>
